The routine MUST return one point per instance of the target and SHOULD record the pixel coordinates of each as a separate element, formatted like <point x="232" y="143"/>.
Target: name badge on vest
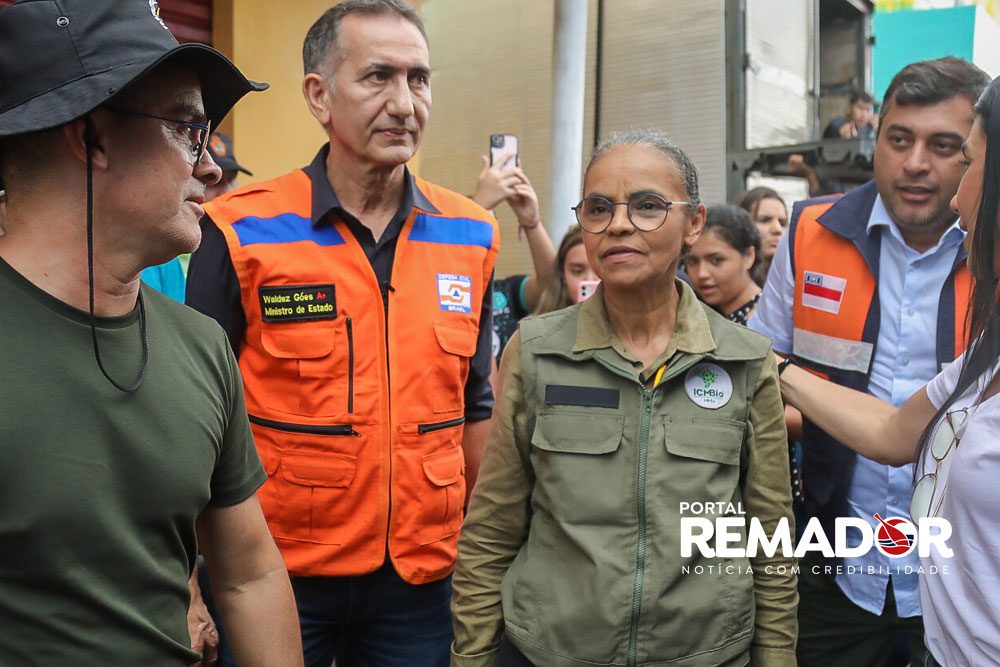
<point x="823" y="292"/>
<point x="297" y="303"/>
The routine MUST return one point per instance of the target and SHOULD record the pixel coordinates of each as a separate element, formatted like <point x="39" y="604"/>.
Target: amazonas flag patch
<point x="823" y="292"/>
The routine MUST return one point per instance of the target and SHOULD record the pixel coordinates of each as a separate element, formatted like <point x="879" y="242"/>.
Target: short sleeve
<point x="238" y="472"/>
<point x="940" y="388"/>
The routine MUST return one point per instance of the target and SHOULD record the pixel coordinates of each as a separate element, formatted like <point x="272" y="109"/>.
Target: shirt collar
<point x="880" y="218"/>
<point x="692" y="333"/>
<point x="325" y="200"/>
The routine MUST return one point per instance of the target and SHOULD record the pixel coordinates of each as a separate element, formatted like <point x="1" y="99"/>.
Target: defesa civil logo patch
<point x="454" y="292"/>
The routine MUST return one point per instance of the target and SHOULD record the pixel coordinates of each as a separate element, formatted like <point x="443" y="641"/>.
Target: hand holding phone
<point x="501" y="144"/>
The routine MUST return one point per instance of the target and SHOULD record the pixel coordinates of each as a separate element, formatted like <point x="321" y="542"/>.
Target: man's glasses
<point x="943" y="441"/>
<point x="198" y="133"/>
<point x="646" y="211"/>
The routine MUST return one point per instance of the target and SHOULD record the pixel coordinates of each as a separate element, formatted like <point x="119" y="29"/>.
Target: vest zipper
<point x="439" y="426"/>
<point x="330" y="429"/>
<point x="640" y="554"/>
<point x="350" y="366"/>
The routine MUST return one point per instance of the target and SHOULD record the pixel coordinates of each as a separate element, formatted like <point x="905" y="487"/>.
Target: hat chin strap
<point x="89" y="132"/>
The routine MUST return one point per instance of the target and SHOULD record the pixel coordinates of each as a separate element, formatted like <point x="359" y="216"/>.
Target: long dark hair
<point x="983" y="328"/>
<point x="555" y="295"/>
<point x="734" y="226"/>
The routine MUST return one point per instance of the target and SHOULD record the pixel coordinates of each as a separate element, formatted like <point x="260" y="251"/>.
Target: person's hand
<point x="797" y="165"/>
<point x="524" y="202"/>
<point x="495" y="183"/>
<point x="201" y="627"/>
<point x="848" y="131"/>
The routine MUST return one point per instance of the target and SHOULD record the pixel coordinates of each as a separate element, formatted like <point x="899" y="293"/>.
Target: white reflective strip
<point x="848" y="355"/>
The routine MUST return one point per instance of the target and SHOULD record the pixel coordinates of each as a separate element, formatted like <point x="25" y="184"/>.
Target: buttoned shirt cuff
<point x="761" y="656"/>
<point x="488" y="659"/>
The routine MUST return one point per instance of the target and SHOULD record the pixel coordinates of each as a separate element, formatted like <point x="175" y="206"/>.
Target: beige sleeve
<point x="497" y="522"/>
<point x="767" y="496"/>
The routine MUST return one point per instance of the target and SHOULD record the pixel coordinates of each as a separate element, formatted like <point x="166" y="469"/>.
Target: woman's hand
<point x="495" y="183"/>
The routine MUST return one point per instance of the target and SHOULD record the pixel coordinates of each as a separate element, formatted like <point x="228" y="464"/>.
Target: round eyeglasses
<point x="197" y="133"/>
<point x="943" y="441"/>
<point x="646" y="211"/>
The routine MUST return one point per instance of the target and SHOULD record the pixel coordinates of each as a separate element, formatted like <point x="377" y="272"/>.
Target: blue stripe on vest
<point x="452" y="231"/>
<point x="284" y="228"/>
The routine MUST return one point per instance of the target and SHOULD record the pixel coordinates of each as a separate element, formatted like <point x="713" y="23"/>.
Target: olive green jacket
<point x="572" y="545"/>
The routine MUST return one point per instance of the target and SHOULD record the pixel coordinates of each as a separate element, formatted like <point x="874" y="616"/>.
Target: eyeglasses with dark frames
<point x="198" y="133"/>
<point x="646" y="211"/>
<point x="943" y="441"/>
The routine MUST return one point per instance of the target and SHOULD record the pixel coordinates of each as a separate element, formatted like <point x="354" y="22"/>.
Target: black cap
<point x="221" y="148"/>
<point x="60" y="59"/>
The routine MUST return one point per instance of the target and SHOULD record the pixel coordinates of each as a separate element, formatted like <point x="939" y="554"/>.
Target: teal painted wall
<point x="906" y="36"/>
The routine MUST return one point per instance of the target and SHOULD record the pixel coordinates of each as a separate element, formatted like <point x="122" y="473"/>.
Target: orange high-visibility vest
<point x="358" y="418"/>
<point x="836" y="327"/>
<point x="836" y="324"/>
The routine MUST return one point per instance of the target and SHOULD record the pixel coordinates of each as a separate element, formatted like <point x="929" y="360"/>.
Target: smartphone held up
<point x="501" y="145"/>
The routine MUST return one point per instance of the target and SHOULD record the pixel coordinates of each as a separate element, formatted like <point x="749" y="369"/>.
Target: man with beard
<point x="871" y="289"/>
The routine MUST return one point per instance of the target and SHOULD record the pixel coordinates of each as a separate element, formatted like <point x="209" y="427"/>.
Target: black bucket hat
<point x="60" y="59"/>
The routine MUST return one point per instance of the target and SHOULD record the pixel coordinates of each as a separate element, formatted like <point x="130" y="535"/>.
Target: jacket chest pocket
<point x="703" y="456"/>
<point x="314" y="367"/>
<point x="575" y="454"/>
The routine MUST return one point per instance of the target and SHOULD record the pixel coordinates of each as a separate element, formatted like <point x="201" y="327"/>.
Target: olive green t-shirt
<point x="101" y="488"/>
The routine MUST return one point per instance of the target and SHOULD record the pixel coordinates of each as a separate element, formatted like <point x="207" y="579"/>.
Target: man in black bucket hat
<point x="124" y="440"/>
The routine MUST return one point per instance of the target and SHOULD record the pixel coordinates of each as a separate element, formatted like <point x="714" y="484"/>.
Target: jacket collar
<point x="324" y="199"/>
<point x="692" y="333"/>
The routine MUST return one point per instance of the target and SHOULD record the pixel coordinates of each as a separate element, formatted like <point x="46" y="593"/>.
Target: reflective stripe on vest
<point x="358" y="418"/>
<point x="836" y="327"/>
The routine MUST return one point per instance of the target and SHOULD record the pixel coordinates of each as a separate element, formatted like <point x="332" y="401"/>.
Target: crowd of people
<point x="355" y="445"/>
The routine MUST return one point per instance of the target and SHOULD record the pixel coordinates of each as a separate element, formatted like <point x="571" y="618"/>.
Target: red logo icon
<point x="895" y="537"/>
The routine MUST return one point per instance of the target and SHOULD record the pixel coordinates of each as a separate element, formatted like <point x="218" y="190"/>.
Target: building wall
<point x="663" y="67"/>
<point x="273" y="132"/>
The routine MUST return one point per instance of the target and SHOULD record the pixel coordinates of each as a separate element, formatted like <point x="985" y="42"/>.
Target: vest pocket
<point x="706" y="455"/>
<point x="451" y="369"/>
<point x="445" y="470"/>
<point x="313" y="367"/>
<point x="577" y="432"/>
<point x="572" y="451"/>
<point x="308" y="492"/>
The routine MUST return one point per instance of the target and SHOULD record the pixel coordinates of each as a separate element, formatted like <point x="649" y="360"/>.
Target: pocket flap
<point x="329" y="470"/>
<point x="446" y="467"/>
<point x="718" y="440"/>
<point x="578" y="432"/>
<point x="300" y="340"/>
<point x="456" y="339"/>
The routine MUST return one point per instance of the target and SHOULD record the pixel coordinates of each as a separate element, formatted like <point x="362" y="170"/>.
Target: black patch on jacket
<point x="590" y="397"/>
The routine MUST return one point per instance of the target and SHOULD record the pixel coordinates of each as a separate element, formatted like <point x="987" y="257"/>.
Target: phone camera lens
<point x="496" y="141"/>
